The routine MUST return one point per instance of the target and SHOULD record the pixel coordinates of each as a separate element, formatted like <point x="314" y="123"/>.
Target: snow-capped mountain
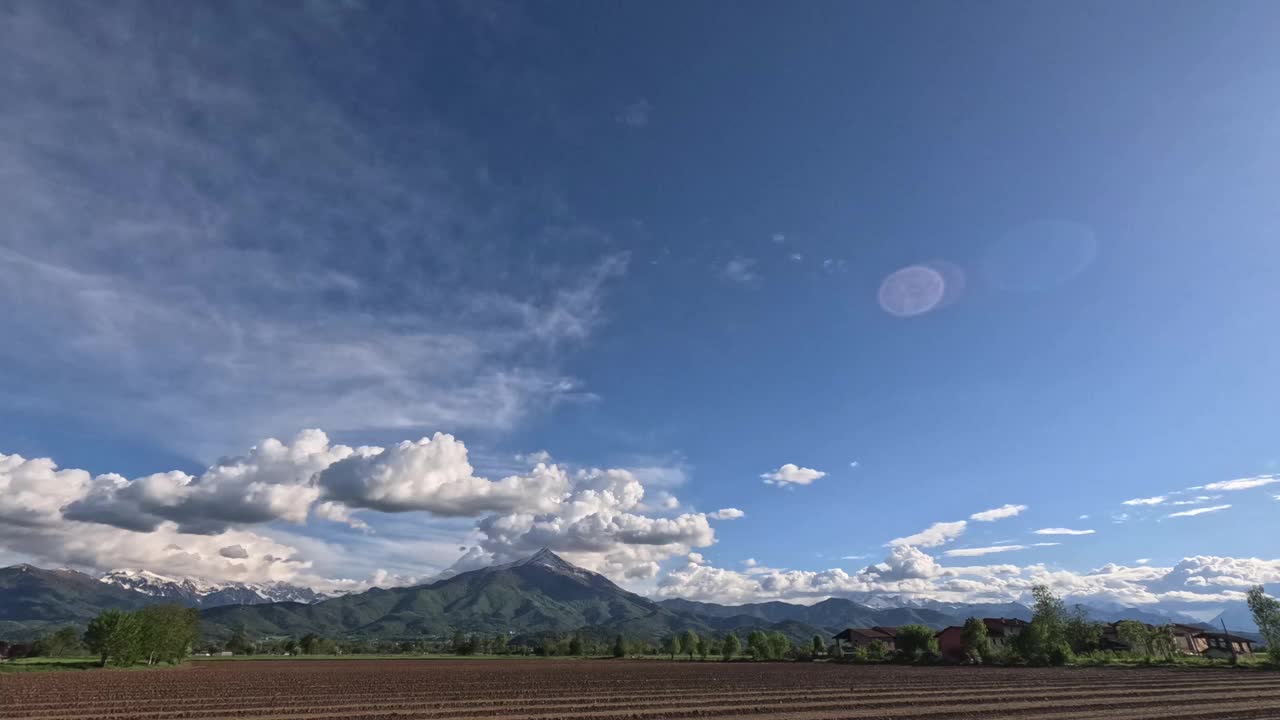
<point x="200" y="593"/>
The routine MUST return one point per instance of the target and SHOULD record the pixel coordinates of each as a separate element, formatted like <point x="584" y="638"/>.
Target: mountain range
<point x="541" y="594"/>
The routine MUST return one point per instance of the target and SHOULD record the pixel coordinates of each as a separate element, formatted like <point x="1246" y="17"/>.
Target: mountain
<point x="196" y="593"/>
<point x="831" y="614"/>
<point x="33" y="600"/>
<point x="542" y="593"/>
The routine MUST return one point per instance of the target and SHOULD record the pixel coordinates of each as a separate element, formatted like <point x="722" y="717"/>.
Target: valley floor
<point x="581" y="690"/>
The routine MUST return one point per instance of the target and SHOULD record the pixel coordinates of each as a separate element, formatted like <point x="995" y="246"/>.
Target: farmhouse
<point x="1000" y="632"/>
<point x="864" y="637"/>
<point x="1187" y="640"/>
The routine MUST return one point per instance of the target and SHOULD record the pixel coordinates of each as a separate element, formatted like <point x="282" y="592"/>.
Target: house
<point x="864" y="637"/>
<point x="1000" y="632"/>
<point x="1187" y="640"/>
<point x="1224" y="645"/>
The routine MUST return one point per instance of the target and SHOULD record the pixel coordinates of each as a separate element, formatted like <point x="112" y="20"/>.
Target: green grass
<point x="44" y="664"/>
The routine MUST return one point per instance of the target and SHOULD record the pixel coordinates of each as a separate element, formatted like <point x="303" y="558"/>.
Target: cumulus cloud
<point x="1063" y="531"/>
<point x="936" y="534"/>
<point x="1198" y="511"/>
<point x="791" y="474"/>
<point x="1243" y="483"/>
<point x="596" y="517"/>
<point x="1000" y="513"/>
<point x="1154" y="500"/>
<point x="434" y="475"/>
<point x="234" y="552"/>
<point x="909" y="573"/>
<point x="274" y="481"/>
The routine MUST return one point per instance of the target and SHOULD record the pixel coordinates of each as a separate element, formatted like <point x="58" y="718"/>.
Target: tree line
<point x="152" y="635"/>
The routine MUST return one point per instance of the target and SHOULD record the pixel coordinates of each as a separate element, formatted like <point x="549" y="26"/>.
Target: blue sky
<point x="1009" y="254"/>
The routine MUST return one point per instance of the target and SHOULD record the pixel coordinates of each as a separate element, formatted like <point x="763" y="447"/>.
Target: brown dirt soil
<point x="632" y="690"/>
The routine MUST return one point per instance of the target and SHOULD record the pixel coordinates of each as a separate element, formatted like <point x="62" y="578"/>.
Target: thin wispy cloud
<point x="1198" y="511"/>
<point x="1155" y="500"/>
<point x="1243" y="483"/>
<point x="936" y="534"/>
<point x="1063" y="531"/>
<point x="1000" y="513"/>
<point x="979" y="551"/>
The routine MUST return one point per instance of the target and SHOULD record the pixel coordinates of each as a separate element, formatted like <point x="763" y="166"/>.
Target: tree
<point x="1134" y="634"/>
<point x="1043" y="642"/>
<point x="837" y="650"/>
<point x="575" y="646"/>
<point x="818" y="646"/>
<point x="114" y="635"/>
<point x="758" y="644"/>
<point x="1160" y="641"/>
<point x="240" y="643"/>
<point x="690" y="642"/>
<point x="916" y="641"/>
<point x="167" y="632"/>
<point x="704" y="649"/>
<point x="66" y="641"/>
<point x="1266" y="615"/>
<point x="974" y="640"/>
<point x="619" y="647"/>
<point x="876" y="650"/>
<point x="779" y="645"/>
<point x="673" y="646"/>
<point x="1082" y="635"/>
<point x="731" y="647"/>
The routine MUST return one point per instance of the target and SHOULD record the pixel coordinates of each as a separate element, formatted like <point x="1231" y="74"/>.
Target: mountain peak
<point x="546" y="558"/>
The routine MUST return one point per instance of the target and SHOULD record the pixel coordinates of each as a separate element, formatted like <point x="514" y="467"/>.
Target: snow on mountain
<point x="201" y="593"/>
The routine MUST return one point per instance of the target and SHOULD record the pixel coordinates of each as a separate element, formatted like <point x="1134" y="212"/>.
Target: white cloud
<point x="1198" y="511"/>
<point x="1143" y="561"/>
<point x="979" y="551"/>
<point x="1063" y="531"/>
<point x="726" y="514"/>
<point x="740" y="270"/>
<point x="791" y="474"/>
<point x="1156" y="500"/>
<point x="1243" y="483"/>
<point x="936" y="534"/>
<point x="1000" y="513"/>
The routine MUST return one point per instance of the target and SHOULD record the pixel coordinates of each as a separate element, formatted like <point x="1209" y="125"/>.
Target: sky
<point x="777" y="301"/>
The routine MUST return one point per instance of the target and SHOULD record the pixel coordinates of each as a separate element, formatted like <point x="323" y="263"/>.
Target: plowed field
<point x="435" y="689"/>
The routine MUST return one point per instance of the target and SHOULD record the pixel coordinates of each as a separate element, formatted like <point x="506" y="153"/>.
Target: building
<point x="864" y="637"/>
<point x="1224" y="645"/>
<point x="1000" y="633"/>
<point x="1187" y="640"/>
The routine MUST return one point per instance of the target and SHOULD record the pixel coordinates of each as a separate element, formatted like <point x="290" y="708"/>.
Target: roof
<point x="864" y="633"/>
<point x="890" y="631"/>
<point x="1224" y="636"/>
<point x="996" y="626"/>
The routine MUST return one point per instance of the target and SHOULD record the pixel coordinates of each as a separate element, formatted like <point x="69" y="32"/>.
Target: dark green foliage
<point x="758" y="645"/>
<point x="1044" y="641"/>
<point x="673" y="646"/>
<point x="575" y="646"/>
<point x="779" y="645"/>
<point x="704" y="648"/>
<point x="619" y="647"/>
<point x="1082" y="635"/>
<point x="818" y="645"/>
<point x="240" y="644"/>
<point x="731" y="647"/>
<point x="161" y="633"/>
<point x="974" y="640"/>
<point x="916" y="642"/>
<point x="690" y="643"/>
<point x="1266" y="615"/>
<point x="63" y="643"/>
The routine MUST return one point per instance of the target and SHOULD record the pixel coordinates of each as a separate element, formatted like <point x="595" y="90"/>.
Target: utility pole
<point x="1231" y="645"/>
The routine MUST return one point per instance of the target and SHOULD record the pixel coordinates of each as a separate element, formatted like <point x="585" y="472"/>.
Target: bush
<point x="917" y="642"/>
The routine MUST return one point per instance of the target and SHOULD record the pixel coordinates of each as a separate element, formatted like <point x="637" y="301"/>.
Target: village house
<point x="1000" y="632"/>
<point x="864" y="637"/>
<point x="1187" y="640"/>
